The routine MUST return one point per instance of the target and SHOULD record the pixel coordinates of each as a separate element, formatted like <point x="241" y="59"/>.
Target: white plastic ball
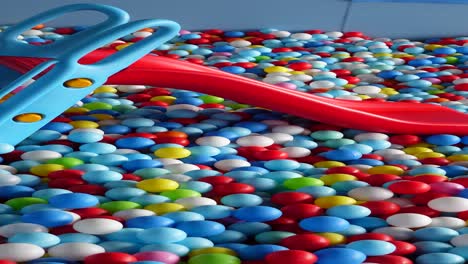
<point x="75" y="251"/>
<point x="409" y="220"/>
<point x="214" y="141"/>
<point x="255" y="140"/>
<point x="370" y="193"/>
<point x="449" y="204"/>
<point x="97" y="226"/>
<point x="20" y="252"/>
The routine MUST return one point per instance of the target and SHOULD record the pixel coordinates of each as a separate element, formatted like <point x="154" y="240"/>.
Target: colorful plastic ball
<point x="443" y="140"/>
<point x="149" y="221"/>
<point x="439" y="257"/>
<point x="157" y="185"/>
<point x="48" y="218"/>
<point x="134" y="143"/>
<point x="449" y="204"/>
<point x="307" y="242"/>
<point x="162" y="256"/>
<point x="100" y="177"/>
<point x="291" y="256"/>
<point x="73" y="200"/>
<point x="349" y="211"/>
<point x="241" y="200"/>
<point x="339" y="255"/>
<point x="258" y="252"/>
<point x="179" y="250"/>
<point x="213" y="211"/>
<point x="161" y="235"/>
<point x="97" y="226"/>
<point x="20" y="252"/>
<point x="194" y="243"/>
<point x="372" y="247"/>
<point x="213" y="258"/>
<point x="110" y="257"/>
<point x="75" y="251"/>
<point x="43" y="240"/>
<point x="201" y="228"/>
<point x="257" y="213"/>
<point x="324" y="224"/>
<point x="409" y="187"/>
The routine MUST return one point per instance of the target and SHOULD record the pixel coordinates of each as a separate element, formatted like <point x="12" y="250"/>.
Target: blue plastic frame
<point x="47" y="95"/>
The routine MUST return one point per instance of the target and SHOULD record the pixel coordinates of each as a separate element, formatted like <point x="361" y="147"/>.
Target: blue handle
<point x="114" y="63"/>
<point x="11" y="46"/>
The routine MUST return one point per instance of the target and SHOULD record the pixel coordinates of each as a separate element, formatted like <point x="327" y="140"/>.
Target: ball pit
<point x="135" y="174"/>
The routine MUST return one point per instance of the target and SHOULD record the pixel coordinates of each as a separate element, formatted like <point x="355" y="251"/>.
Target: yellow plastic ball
<point x="424" y="155"/>
<point x="416" y="150"/>
<point x="276" y="69"/>
<point x="329" y="164"/>
<point x="164" y="208"/>
<point x="77" y="110"/>
<point x="386" y="169"/>
<point x="334" y="238"/>
<point x="172" y="153"/>
<point x="157" y="185"/>
<point x="335" y="200"/>
<point x="363" y="96"/>
<point x="330" y="179"/>
<point x="458" y="157"/>
<point x="84" y="124"/>
<point x="105" y="89"/>
<point x="432" y="46"/>
<point x="164" y="98"/>
<point x="43" y="170"/>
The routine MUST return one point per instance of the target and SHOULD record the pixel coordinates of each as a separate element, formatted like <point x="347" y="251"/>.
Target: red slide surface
<point x="389" y="117"/>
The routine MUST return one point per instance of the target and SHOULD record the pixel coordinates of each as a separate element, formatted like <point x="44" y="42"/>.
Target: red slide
<point x="389" y="117"/>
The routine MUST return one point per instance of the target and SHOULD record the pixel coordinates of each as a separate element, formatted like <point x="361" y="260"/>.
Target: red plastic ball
<point x="4" y="261"/>
<point x="270" y="155"/>
<point x="424" y="198"/>
<point x="286" y="198"/>
<point x="389" y="259"/>
<point x="344" y="169"/>
<point x="428" y="178"/>
<point x="405" y="140"/>
<point x="409" y="187"/>
<point x="462" y="181"/>
<point x="380" y="179"/>
<point x="216" y="180"/>
<point x="371" y="236"/>
<point x="463" y="215"/>
<point x="59" y="230"/>
<point x="307" y="242"/>
<point x="90" y="212"/>
<point x="65" y="183"/>
<point x="300" y="66"/>
<point x="301" y="210"/>
<point x="403" y="248"/>
<point x="110" y="257"/>
<point x="379" y="208"/>
<point x="69" y="174"/>
<point x="93" y="189"/>
<point x="232" y="188"/>
<point x="291" y="256"/>
<point x="424" y="210"/>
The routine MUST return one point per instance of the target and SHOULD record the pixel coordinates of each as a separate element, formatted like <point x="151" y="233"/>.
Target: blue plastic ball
<point x="324" y="224"/>
<point x="257" y="213"/>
